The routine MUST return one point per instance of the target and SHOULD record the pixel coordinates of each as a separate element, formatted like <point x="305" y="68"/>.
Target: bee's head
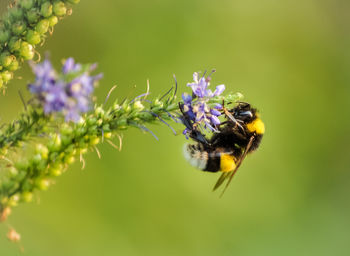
<point x="244" y="112"/>
<point x="249" y="116"/>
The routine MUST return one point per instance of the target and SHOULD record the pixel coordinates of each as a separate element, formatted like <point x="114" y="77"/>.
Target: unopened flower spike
<point x="24" y="27"/>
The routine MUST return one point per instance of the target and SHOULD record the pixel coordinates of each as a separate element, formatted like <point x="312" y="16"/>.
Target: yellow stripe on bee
<point x="256" y="126"/>
<point x="227" y="163"/>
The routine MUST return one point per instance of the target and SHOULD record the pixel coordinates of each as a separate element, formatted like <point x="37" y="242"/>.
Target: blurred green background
<point x="289" y="58"/>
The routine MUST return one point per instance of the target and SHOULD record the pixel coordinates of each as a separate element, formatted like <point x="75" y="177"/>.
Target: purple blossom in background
<point x="70" y="66"/>
<point x="55" y="98"/>
<point x="196" y="107"/>
<point x="56" y="94"/>
<point x="45" y="77"/>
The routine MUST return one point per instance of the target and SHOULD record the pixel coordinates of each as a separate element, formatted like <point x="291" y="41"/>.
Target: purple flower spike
<point x="58" y="94"/>
<point x="197" y="108"/>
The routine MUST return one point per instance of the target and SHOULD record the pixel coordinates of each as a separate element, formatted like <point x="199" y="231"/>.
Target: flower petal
<point x="195" y="77"/>
<point x="215" y="112"/>
<point x="215" y="120"/>
<point x="219" y="89"/>
<point x="187" y="98"/>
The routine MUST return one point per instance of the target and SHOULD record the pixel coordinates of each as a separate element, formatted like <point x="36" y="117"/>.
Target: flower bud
<point x="46" y="9"/>
<point x="80" y="131"/>
<point x="13" y="200"/>
<point x="14" y="44"/>
<point x="138" y="105"/>
<point x="26" y="51"/>
<point x="106" y="128"/>
<point x="43" y="26"/>
<point x="27" y="4"/>
<point x="42" y="183"/>
<point x="53" y="20"/>
<point x="6" y="59"/>
<point x="42" y="150"/>
<point x="1" y="83"/>
<point x="4" y="36"/>
<point x="91" y="121"/>
<point x="36" y="159"/>
<point x="6" y="76"/>
<point x="107" y="135"/>
<point x="99" y="121"/>
<point x="55" y="143"/>
<point x="83" y="150"/>
<point x="33" y="37"/>
<point x="69" y="159"/>
<point x="94" y="140"/>
<point x="13" y="66"/>
<point x="158" y="103"/>
<point x="56" y="170"/>
<point x="99" y="111"/>
<point x="15" y="13"/>
<point x="126" y="107"/>
<point x="27" y="196"/>
<point x="18" y="27"/>
<point x="59" y="9"/>
<point x="33" y="16"/>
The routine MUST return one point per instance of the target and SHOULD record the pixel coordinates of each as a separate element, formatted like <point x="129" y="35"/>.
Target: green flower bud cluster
<point x="24" y="26"/>
<point x="30" y="123"/>
<point x="64" y="143"/>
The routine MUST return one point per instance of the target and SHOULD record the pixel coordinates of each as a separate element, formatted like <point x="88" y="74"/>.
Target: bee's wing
<point x="221" y="179"/>
<point x="229" y="175"/>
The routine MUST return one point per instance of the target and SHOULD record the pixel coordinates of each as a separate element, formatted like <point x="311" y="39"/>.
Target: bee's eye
<point x="246" y="114"/>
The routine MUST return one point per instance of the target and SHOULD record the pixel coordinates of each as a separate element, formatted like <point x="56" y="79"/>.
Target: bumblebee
<point x="238" y="135"/>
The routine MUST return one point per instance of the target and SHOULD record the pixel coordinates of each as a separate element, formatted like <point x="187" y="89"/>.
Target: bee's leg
<point x="193" y="132"/>
<point x="234" y="120"/>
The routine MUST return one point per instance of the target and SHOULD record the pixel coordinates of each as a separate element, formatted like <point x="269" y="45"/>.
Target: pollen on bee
<point x="227" y="163"/>
<point x="256" y="126"/>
